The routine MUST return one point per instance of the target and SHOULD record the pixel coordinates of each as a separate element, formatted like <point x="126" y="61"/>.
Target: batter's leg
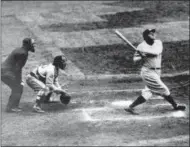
<point x="146" y="94"/>
<point x="170" y="99"/>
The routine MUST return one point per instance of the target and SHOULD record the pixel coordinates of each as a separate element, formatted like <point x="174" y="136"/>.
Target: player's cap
<point x="28" y="41"/>
<point x="147" y="31"/>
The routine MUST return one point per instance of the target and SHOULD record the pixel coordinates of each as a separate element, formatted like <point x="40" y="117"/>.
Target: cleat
<point x="131" y="110"/>
<point x="38" y="109"/>
<point x="180" y="107"/>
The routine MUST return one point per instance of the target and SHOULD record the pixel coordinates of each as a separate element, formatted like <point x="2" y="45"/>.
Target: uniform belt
<point x="155" y="68"/>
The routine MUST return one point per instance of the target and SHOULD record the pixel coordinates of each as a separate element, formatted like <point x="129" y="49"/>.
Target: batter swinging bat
<point x="127" y="41"/>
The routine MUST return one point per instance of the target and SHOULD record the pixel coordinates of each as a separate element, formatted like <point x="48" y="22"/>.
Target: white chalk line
<point x="128" y="117"/>
<point x="88" y="111"/>
<point x="137" y="117"/>
<point x="126" y="103"/>
<point x="92" y="109"/>
<point x="106" y="91"/>
<point x="177" y="114"/>
<point x="87" y="117"/>
<point x="162" y="141"/>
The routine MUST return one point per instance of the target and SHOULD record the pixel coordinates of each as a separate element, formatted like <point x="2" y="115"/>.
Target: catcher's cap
<point x="147" y="31"/>
<point x="60" y="61"/>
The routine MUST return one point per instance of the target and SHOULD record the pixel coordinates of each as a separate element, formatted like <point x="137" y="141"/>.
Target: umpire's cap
<point x="28" y="41"/>
<point x="147" y="31"/>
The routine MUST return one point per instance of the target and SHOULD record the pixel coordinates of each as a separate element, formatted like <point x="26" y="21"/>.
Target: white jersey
<point x="155" y="49"/>
<point x="49" y="73"/>
<point x="149" y="74"/>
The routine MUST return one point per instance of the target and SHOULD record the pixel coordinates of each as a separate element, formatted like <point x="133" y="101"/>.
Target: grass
<point x="156" y="12"/>
<point x="116" y="59"/>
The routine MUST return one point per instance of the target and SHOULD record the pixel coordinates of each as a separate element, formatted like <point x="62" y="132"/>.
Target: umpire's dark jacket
<point x="12" y="66"/>
<point x="11" y="74"/>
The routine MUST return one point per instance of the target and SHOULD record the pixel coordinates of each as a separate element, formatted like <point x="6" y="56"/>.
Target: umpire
<point x="11" y="73"/>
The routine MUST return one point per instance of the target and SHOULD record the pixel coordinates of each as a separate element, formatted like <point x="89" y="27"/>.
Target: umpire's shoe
<point x="10" y="110"/>
<point x="131" y="110"/>
<point x="180" y="107"/>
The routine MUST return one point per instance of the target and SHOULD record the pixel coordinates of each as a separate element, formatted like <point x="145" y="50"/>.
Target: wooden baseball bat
<point x="127" y="41"/>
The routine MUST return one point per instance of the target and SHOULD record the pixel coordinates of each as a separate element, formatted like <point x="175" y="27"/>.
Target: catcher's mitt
<point x="65" y="98"/>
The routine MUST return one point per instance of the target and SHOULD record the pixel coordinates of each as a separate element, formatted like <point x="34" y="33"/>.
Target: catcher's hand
<point x="65" y="98"/>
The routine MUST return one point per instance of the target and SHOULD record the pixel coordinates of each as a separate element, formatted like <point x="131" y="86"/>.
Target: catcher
<point x="44" y="81"/>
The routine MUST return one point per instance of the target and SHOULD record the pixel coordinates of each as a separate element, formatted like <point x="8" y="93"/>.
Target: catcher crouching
<point x="44" y="81"/>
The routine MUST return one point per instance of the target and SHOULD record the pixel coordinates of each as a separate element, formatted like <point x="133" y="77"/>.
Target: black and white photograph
<point x="95" y="73"/>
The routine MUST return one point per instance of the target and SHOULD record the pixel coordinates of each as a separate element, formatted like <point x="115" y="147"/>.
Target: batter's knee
<point x="166" y="92"/>
<point x="146" y="94"/>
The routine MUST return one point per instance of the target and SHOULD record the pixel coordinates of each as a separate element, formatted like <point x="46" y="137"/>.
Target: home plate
<point x="121" y="103"/>
<point x="178" y="114"/>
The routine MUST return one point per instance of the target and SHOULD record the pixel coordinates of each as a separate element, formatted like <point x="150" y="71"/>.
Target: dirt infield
<point x="95" y="116"/>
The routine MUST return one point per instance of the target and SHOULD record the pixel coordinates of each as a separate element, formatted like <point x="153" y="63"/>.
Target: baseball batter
<point x="44" y="81"/>
<point x="151" y="54"/>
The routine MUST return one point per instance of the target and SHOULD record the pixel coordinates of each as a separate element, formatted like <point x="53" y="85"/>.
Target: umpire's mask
<point x="60" y="62"/>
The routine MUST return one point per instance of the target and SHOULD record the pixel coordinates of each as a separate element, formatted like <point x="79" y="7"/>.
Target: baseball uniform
<point x="42" y="79"/>
<point x="151" y="69"/>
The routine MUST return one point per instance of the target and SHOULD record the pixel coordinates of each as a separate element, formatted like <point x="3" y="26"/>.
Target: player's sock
<point x="138" y="101"/>
<point x="171" y="101"/>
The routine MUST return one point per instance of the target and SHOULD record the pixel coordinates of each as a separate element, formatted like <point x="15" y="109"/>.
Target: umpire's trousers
<point x="16" y="90"/>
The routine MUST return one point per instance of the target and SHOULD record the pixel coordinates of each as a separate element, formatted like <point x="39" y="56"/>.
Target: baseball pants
<point x="153" y="83"/>
<point x="38" y="86"/>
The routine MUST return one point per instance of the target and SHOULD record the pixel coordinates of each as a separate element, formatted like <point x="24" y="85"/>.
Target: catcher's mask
<point x="60" y="62"/>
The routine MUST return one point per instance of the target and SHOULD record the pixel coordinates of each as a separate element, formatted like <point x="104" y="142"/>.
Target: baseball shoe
<point x="180" y="107"/>
<point x="13" y="110"/>
<point x="38" y="109"/>
<point x="131" y="110"/>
